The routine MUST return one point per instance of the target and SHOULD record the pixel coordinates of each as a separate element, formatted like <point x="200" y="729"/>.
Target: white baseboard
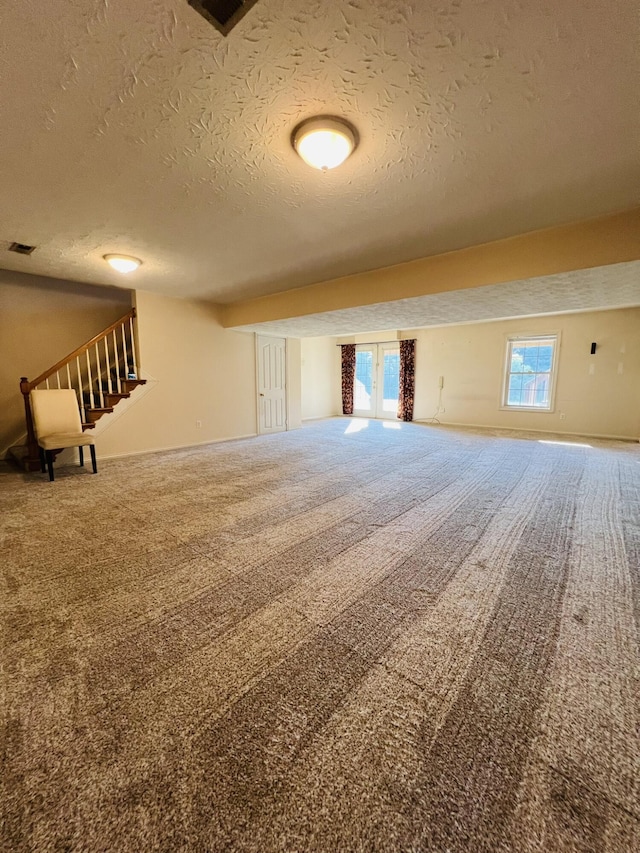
<point x="178" y="446"/>
<point x="429" y="422"/>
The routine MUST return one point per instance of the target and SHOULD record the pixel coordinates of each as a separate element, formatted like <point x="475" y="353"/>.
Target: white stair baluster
<point x="134" y="368"/>
<point x="116" y="361"/>
<point x="106" y="358"/>
<point x="83" y="405"/>
<point x="124" y="348"/>
<point x="99" y="374"/>
<point x="92" y="402"/>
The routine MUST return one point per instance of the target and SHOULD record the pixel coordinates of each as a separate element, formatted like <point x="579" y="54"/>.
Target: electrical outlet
<point x="198" y="424"/>
<point x="562" y="416"/>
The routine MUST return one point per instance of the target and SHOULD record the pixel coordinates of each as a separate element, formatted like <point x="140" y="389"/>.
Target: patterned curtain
<point x="348" y="377"/>
<point x="407" y="380"/>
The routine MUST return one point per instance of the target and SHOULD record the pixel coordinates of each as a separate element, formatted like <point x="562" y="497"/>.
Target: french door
<point x="375" y="393"/>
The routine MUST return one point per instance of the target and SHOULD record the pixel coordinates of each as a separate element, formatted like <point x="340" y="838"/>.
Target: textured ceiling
<point x="136" y="127"/>
<point x="615" y="286"/>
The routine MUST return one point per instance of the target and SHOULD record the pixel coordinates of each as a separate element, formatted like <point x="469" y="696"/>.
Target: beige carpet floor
<point x="353" y="638"/>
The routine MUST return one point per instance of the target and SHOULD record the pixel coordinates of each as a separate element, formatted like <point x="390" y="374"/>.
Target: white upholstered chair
<point x="56" y="419"/>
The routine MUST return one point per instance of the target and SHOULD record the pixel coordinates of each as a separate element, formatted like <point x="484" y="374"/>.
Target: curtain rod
<point x="397" y="341"/>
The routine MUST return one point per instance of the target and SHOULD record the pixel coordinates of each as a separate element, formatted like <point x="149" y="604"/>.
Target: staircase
<point x="102" y="372"/>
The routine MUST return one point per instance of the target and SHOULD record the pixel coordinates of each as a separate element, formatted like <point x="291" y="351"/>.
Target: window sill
<point x="526" y="409"/>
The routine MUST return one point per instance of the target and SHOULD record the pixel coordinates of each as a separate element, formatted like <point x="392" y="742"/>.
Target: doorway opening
<point x="377" y="380"/>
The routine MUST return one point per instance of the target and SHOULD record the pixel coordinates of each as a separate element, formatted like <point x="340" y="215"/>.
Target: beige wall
<point x="320" y="359"/>
<point x="294" y="384"/>
<point x="471" y="359"/>
<point x="41" y="321"/>
<point x="197" y="371"/>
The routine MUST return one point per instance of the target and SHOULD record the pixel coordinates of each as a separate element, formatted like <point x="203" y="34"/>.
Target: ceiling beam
<point x="581" y="245"/>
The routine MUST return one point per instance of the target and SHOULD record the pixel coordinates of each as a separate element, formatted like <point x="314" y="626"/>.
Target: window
<point x="530" y="373"/>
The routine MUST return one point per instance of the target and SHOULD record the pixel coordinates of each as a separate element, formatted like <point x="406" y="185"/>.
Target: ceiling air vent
<point x="223" y="14"/>
<point x="21" y="248"/>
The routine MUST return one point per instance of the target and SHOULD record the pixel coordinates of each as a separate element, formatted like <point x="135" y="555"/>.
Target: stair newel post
<point x="33" y="456"/>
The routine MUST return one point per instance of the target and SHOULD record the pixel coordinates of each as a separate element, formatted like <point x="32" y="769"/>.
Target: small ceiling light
<point x="123" y="263"/>
<point x="324" y="142"/>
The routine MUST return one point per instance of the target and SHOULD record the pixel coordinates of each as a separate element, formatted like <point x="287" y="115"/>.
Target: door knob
<point x="262" y="395"/>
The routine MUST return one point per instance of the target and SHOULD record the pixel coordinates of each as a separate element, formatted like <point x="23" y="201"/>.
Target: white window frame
<point x="511" y="340"/>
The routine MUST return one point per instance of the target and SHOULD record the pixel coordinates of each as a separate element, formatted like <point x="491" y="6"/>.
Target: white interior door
<point x="272" y="384"/>
<point x="375" y="393"/>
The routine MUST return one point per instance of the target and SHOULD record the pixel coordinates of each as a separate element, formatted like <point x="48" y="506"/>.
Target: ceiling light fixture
<point x="123" y="263"/>
<point x="324" y="142"/>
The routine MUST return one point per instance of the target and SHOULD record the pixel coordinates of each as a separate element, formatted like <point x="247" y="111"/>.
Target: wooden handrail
<point x="27" y="386"/>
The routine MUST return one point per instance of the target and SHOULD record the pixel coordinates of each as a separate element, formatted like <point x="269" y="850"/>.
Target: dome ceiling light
<point x="324" y="142"/>
<point x="123" y="263"/>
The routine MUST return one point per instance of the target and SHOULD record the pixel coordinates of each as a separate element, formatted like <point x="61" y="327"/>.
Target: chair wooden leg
<point x="81" y="454"/>
<point x="94" y="464"/>
<point x="43" y="463"/>
<point x="50" y="463"/>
